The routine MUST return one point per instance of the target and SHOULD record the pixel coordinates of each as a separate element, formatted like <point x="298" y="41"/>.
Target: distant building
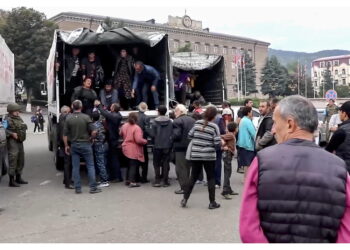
<point x="339" y="67"/>
<point x="182" y="31"/>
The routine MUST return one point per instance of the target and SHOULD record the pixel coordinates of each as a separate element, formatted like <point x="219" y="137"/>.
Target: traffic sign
<point x="331" y="94"/>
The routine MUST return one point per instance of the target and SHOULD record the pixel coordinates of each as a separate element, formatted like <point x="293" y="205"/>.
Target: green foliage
<point x="29" y="36"/>
<point x="274" y="78"/>
<point x="248" y="75"/>
<point x="327" y="78"/>
<point x="343" y="91"/>
<point x="185" y="48"/>
<point x="256" y="102"/>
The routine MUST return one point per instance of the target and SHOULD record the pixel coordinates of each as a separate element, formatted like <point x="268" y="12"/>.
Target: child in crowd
<point x="228" y="147"/>
<point x="100" y="148"/>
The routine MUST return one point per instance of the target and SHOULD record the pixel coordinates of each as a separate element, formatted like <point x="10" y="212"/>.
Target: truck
<point x="154" y="45"/>
<point x="7" y="77"/>
<point x="209" y="73"/>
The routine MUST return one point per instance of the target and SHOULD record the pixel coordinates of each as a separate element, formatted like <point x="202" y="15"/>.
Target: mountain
<point x="286" y="57"/>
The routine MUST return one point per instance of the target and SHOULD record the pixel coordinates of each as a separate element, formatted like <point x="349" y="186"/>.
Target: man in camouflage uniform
<point x="16" y="135"/>
<point x="331" y="109"/>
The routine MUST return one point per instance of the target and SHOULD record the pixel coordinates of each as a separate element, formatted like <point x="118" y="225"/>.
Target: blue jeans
<point x="142" y="94"/>
<point x="100" y="151"/>
<point x="84" y="150"/>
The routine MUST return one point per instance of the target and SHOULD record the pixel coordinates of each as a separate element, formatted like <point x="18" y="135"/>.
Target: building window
<point x="315" y="83"/>
<point x="206" y="48"/>
<point x="216" y="49"/>
<point x="315" y="74"/>
<point x="176" y="44"/>
<point x="329" y="64"/>
<point x="336" y="62"/>
<point x="335" y="82"/>
<point x="344" y="82"/>
<point x="321" y="64"/>
<point x="196" y="47"/>
<point x="343" y="71"/>
<point x="234" y="50"/>
<point x="224" y="50"/>
<point x="336" y="72"/>
<point x="250" y="52"/>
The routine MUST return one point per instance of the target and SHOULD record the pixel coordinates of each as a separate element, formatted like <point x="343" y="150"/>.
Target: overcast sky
<point x="298" y="25"/>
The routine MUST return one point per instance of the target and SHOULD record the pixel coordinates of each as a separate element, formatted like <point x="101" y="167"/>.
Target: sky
<point x="297" y="25"/>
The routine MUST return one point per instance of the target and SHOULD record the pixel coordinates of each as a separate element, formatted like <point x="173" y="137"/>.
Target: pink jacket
<point x="249" y="221"/>
<point x="132" y="145"/>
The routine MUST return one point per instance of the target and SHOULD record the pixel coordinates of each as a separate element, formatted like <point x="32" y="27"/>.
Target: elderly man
<point x="296" y="192"/>
<point x="264" y="136"/>
<point x="182" y="125"/>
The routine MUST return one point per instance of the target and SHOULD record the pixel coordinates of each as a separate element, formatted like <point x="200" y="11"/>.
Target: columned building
<point x="339" y="67"/>
<point x="182" y="31"/>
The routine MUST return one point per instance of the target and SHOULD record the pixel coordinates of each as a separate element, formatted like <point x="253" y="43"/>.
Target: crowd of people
<point x="294" y="190"/>
<point x="130" y="82"/>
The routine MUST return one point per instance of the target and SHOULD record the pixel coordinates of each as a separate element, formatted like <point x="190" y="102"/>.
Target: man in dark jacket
<point x="296" y="192"/>
<point x="182" y="125"/>
<point x="340" y="141"/>
<point x="162" y="134"/>
<point x="67" y="165"/>
<point x="91" y="67"/>
<point x="144" y="122"/>
<point x="264" y="136"/>
<point x="113" y="119"/>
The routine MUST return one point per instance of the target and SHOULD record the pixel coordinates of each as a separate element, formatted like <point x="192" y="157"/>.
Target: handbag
<point x="188" y="151"/>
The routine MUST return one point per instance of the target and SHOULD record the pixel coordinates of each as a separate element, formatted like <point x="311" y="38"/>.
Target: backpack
<point x="33" y="119"/>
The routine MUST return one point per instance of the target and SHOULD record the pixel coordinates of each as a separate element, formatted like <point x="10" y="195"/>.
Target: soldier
<point x="16" y="135"/>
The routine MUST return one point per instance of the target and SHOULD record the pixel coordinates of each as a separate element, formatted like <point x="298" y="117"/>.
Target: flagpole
<point x="237" y="76"/>
<point x="305" y="80"/>
<point x="298" y="78"/>
<point x="245" y="76"/>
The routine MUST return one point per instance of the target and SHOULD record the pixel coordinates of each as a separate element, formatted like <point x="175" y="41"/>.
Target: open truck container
<point x="154" y="46"/>
<point x="7" y="77"/>
<point x="209" y="71"/>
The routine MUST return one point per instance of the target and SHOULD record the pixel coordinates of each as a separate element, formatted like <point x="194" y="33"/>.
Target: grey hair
<point x="143" y="106"/>
<point x="65" y="109"/>
<point x="181" y="108"/>
<point x="76" y="105"/>
<point x="301" y="110"/>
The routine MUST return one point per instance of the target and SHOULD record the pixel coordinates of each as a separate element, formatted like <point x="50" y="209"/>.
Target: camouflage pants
<point x="16" y="157"/>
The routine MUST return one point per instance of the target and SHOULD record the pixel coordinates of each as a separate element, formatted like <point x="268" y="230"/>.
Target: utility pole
<point x="298" y="78"/>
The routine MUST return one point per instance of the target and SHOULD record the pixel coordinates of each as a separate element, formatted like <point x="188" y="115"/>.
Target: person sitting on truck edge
<point x="146" y="77"/>
<point x="91" y="67"/>
<point x="86" y="95"/>
<point x="196" y="96"/>
<point x="108" y="95"/>
<point x="123" y="76"/>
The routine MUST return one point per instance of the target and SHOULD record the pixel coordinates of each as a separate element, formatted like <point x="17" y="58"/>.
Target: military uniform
<point x="15" y="146"/>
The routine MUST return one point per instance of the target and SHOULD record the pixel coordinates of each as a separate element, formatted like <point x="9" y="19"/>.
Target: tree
<point x="274" y="78"/>
<point x="248" y="75"/>
<point x="185" y="48"/>
<point x="296" y="77"/>
<point x="327" y="78"/>
<point x="29" y="36"/>
<point x="343" y="91"/>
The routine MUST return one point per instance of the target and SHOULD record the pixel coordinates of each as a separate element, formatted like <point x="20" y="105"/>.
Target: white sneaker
<point x="103" y="184"/>
<point x="217" y="186"/>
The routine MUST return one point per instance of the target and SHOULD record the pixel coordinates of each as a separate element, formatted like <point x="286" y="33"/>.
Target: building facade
<point x="339" y="67"/>
<point x="182" y="31"/>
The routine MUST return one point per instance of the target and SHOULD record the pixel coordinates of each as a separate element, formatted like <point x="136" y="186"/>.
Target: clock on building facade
<point x="187" y="21"/>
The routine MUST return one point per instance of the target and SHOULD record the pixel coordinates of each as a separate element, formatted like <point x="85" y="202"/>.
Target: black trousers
<point x="144" y="165"/>
<point x="161" y="160"/>
<point x="67" y="170"/>
<point x="209" y="167"/>
<point x="132" y="170"/>
<point x="36" y="125"/>
<point x="183" y="169"/>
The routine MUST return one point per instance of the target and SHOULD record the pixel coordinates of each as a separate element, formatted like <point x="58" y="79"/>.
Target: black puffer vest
<point x="301" y="193"/>
<point x="343" y="150"/>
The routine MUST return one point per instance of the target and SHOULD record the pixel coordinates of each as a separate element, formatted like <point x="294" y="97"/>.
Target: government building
<point x="339" y="67"/>
<point x="182" y="31"/>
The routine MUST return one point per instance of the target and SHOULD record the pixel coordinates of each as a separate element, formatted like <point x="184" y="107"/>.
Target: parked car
<point x="321" y="130"/>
